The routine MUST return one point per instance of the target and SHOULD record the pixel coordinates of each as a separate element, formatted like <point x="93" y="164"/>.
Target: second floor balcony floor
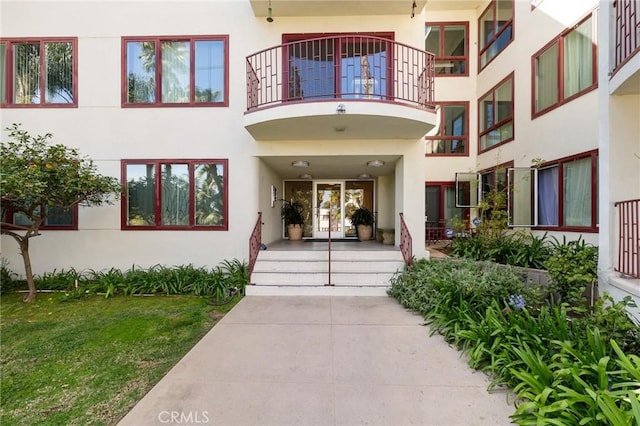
<point x="340" y="87"/>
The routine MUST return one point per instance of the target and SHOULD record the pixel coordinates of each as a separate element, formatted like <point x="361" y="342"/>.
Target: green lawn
<point x="89" y="360"/>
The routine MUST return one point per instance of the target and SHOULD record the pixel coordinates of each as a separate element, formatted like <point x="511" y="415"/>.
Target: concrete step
<point x="323" y="266"/>
<point x="311" y="255"/>
<point x="307" y="279"/>
<point x="293" y="290"/>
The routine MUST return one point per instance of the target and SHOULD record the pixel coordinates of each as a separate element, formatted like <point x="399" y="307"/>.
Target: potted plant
<point x="293" y="215"/>
<point x="362" y="219"/>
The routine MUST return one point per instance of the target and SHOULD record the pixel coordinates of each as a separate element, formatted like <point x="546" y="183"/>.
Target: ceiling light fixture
<point x="375" y="163"/>
<point x="301" y="164"/>
<point x="306" y="176"/>
<point x="364" y="176"/>
<point x="269" y="13"/>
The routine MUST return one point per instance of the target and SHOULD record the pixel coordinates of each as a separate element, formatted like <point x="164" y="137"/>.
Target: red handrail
<point x="626" y="26"/>
<point x="327" y="68"/>
<point x="406" y="244"/>
<point x="255" y="242"/>
<point x="628" y="237"/>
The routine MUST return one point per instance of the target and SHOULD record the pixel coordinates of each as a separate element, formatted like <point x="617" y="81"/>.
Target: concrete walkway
<point x="277" y="361"/>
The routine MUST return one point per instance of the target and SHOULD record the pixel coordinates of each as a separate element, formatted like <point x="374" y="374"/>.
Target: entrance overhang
<point x="331" y="166"/>
<point x="339" y="120"/>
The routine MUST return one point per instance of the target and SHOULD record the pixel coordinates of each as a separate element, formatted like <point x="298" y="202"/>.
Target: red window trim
<point x="557" y="41"/>
<point x="157" y="208"/>
<point x="441" y="25"/>
<point x="510" y="23"/>
<point x="440" y="136"/>
<point x="10" y="41"/>
<point x="158" y="72"/>
<point x="499" y="124"/>
<point x="466" y="211"/>
<point x="44" y="227"/>
<point x="593" y="154"/>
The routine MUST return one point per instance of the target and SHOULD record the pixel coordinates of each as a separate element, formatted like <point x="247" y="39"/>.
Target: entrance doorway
<point x="329" y="205"/>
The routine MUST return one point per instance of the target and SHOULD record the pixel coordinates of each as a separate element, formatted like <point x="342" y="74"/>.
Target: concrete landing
<point x="277" y="361"/>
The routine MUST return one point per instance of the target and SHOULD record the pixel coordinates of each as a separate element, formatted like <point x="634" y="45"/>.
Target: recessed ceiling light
<point x="300" y="164"/>
<point x="364" y="176"/>
<point x="375" y="163"/>
<point x="306" y="176"/>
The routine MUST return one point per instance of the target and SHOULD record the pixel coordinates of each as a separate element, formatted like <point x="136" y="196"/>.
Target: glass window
<point x="56" y="218"/>
<point x="496" y="115"/>
<point x="192" y="194"/>
<point x="566" y="68"/>
<point x="189" y="71"/>
<point x="452" y="136"/>
<point x="577" y="193"/>
<point x="496" y="33"/>
<point x="38" y="72"/>
<point x="449" y="43"/>
<point x="548" y="198"/>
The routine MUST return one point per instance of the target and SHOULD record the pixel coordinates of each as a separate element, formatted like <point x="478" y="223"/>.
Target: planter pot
<point x="294" y="232"/>
<point x="364" y="232"/>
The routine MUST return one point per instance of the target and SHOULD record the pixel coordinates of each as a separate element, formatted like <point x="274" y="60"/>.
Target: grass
<point x="88" y="361"/>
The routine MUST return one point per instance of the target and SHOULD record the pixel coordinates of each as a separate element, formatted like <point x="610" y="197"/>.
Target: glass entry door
<point x="328" y="211"/>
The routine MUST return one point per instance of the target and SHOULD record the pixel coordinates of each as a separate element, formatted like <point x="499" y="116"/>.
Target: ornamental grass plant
<point x="567" y="364"/>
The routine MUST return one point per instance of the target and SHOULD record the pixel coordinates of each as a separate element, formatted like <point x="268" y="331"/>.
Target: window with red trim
<point x="452" y="132"/>
<point x="566" y="68"/>
<point x="496" y="30"/>
<point x="38" y="72"/>
<point x="175" y="71"/>
<point x="56" y="218"/>
<point x="449" y="42"/>
<point x="440" y="206"/>
<point x="175" y="194"/>
<point x="495" y="112"/>
<point x="560" y="194"/>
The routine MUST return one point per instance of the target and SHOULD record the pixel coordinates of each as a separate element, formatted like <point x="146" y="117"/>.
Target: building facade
<point x="212" y="111"/>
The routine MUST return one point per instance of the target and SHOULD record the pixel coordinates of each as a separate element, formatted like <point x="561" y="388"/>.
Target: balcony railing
<point x="340" y="67"/>
<point x="627" y="31"/>
<point x="628" y="213"/>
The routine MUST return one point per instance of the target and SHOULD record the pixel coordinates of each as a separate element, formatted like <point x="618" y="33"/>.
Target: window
<point x="565" y="68"/>
<point x="56" y="218"/>
<point x="495" y="119"/>
<point x="450" y="44"/>
<point x="496" y="30"/>
<point x="175" y="194"/>
<point x="485" y="190"/>
<point x="440" y="205"/>
<point x="452" y="132"/>
<point x="560" y="194"/>
<point x="175" y="71"/>
<point x="38" y="72"/>
<point x="354" y="66"/>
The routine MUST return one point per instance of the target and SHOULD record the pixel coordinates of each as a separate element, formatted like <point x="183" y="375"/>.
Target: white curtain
<point x="577" y="193"/>
<point x="547" y="78"/>
<point x="578" y="59"/>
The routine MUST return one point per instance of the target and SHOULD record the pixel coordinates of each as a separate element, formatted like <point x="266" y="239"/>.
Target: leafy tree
<point x="37" y="178"/>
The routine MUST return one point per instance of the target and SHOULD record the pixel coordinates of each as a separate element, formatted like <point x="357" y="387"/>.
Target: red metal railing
<point x="628" y="237"/>
<point x="406" y="245"/>
<point x="627" y="31"/>
<point x="340" y="67"/>
<point x="255" y="240"/>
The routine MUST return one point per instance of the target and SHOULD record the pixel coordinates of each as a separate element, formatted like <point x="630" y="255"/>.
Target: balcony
<point x="628" y="215"/>
<point x="340" y="87"/>
<point x="625" y="71"/>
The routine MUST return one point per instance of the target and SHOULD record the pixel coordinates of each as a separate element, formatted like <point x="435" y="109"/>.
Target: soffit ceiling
<point x="331" y="167"/>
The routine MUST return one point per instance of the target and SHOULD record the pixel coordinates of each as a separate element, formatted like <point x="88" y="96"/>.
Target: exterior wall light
<point x="269" y="13"/>
<point x="341" y="109"/>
